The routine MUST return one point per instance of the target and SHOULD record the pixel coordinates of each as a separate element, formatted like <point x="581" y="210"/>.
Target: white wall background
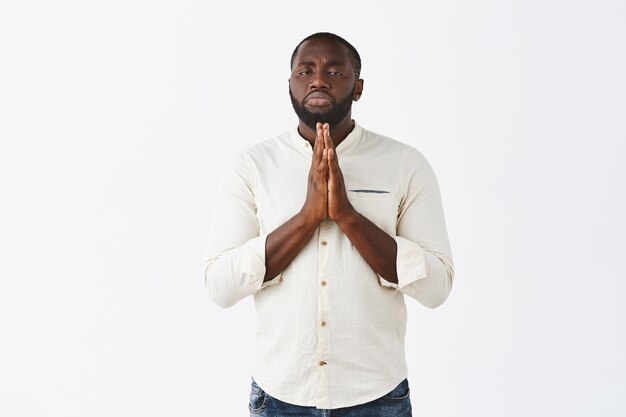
<point x="117" y="118"/>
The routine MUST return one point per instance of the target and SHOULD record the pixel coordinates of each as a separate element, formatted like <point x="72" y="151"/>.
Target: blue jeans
<point x="394" y="404"/>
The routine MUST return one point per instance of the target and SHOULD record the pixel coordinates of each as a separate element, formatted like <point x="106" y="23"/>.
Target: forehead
<point x="322" y="49"/>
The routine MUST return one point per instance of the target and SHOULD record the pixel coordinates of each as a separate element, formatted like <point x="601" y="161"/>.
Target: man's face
<point x="323" y="84"/>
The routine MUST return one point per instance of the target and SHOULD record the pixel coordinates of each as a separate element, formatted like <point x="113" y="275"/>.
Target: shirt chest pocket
<point x="378" y="206"/>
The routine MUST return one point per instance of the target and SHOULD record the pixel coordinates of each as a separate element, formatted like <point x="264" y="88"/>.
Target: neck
<point x="338" y="132"/>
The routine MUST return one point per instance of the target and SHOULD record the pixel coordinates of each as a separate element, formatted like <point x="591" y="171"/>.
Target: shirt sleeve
<point x="235" y="264"/>
<point x="424" y="259"/>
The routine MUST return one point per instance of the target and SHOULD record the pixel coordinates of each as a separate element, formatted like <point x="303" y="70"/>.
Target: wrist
<point x="309" y="218"/>
<point x="346" y="217"/>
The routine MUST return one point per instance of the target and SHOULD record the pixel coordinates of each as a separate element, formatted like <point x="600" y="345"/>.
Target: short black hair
<point x="352" y="52"/>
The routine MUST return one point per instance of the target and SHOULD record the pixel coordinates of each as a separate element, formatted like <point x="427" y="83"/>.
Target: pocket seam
<point x="258" y="410"/>
<point x="256" y="390"/>
<point x="390" y="398"/>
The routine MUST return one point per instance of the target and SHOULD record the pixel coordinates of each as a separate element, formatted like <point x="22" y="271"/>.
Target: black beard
<point x="338" y="112"/>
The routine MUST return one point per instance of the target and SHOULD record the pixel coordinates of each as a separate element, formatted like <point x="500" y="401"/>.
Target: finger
<point x="322" y="166"/>
<point x="318" y="145"/>
<point x="318" y="135"/>
<point x="328" y="141"/>
<point x="333" y="166"/>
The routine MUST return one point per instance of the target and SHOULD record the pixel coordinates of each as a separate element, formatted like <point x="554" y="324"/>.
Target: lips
<point x="318" y="99"/>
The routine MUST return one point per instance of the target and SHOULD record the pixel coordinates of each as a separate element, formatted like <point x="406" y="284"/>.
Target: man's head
<point x="324" y="79"/>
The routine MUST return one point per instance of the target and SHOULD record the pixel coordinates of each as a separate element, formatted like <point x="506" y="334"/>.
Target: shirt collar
<point x="353" y="137"/>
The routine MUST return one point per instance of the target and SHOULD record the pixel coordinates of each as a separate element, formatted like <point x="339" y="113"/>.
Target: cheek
<point x="297" y="92"/>
<point x="294" y="87"/>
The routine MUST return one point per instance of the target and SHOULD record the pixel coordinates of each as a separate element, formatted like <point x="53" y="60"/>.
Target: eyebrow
<point x="327" y="63"/>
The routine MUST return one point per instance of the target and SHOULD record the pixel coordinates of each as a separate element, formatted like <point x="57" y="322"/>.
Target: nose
<point x="319" y="81"/>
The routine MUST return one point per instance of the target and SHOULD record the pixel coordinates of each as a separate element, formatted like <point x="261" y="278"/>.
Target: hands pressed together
<point x="327" y="197"/>
<point x="326" y="192"/>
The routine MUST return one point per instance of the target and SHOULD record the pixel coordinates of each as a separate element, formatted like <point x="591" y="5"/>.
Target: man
<point x="328" y="226"/>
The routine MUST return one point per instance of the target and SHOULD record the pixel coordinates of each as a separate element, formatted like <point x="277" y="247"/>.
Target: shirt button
<point x="323" y="323"/>
<point x="323" y="283"/>
<point x="322" y="363"/>
<point x="324" y="243"/>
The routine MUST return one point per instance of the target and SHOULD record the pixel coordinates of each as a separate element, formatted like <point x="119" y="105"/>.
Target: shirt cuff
<point x="256" y="268"/>
<point x="410" y="264"/>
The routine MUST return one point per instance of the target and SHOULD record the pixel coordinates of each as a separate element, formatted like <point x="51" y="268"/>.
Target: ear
<point x="358" y="90"/>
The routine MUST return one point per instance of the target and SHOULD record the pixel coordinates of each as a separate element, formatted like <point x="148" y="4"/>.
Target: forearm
<point x="375" y="246"/>
<point x="284" y="243"/>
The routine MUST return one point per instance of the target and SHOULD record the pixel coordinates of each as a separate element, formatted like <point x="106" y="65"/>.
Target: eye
<point x="304" y="72"/>
<point x="336" y="73"/>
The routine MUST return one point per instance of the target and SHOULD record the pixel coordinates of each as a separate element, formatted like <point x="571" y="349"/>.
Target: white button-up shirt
<point x="330" y="330"/>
